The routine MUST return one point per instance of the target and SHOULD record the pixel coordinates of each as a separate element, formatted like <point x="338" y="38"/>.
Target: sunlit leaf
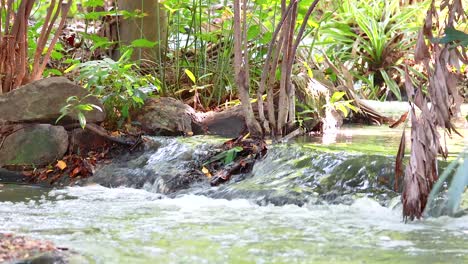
<point x="71" y="68"/>
<point x="206" y="172"/>
<point x="82" y="120"/>
<point x="143" y="43"/>
<point x="337" y="96"/>
<point x="61" y="164"/>
<point x="190" y="75"/>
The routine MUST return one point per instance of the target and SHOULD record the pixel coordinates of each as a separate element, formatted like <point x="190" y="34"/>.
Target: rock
<point x="40" y="101"/>
<point x="34" y="145"/>
<point x="227" y="123"/>
<point x="20" y="249"/>
<point x="82" y="141"/>
<point x="173" y="165"/>
<point x="170" y="117"/>
<point x="7" y="176"/>
<point x="292" y="174"/>
<point x="166" y="116"/>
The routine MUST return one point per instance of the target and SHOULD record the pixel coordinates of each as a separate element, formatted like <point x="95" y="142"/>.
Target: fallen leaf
<point x="61" y="164"/>
<point x="75" y="172"/>
<point x="206" y="172"/>
<point x="400" y="120"/>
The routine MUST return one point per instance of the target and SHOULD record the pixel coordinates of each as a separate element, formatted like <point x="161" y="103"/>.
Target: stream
<point x="305" y="202"/>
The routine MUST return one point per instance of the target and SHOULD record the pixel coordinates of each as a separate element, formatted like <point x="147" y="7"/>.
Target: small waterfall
<point x="289" y="174"/>
<point x="294" y="174"/>
<point x="165" y="166"/>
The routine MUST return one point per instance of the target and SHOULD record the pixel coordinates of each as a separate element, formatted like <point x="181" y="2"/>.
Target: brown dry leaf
<point x="61" y="165"/>
<point x="422" y="51"/>
<point x="28" y="173"/>
<point x="409" y="85"/>
<point x="399" y="121"/>
<point x="75" y="172"/>
<point x="399" y="159"/>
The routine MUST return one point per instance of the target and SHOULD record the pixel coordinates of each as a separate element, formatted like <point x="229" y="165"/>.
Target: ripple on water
<point x="128" y="225"/>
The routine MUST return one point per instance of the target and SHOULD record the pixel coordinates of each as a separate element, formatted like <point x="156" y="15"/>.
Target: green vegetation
<point x="375" y="40"/>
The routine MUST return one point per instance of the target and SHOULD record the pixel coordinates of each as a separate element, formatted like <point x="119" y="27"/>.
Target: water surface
<point x="134" y="226"/>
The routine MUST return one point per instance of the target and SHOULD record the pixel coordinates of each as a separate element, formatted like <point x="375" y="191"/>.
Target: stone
<point x="38" y="144"/>
<point x="227" y="123"/>
<point x="171" y="167"/>
<point x="83" y="140"/>
<point x="7" y="176"/>
<point x="166" y="116"/>
<point x="40" y="101"/>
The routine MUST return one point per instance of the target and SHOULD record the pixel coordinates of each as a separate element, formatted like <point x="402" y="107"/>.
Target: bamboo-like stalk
<point x="241" y="68"/>
<point x="269" y="70"/>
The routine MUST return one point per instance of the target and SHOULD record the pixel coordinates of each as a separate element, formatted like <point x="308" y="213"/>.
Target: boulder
<point x="7" y="176"/>
<point x="166" y="116"/>
<point x="40" y="101"/>
<point x="227" y="123"/>
<point x="37" y="145"/>
<point x="167" y="167"/>
<point x="83" y="140"/>
<point x="169" y="117"/>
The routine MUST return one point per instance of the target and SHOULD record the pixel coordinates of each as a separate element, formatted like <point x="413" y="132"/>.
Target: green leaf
<point x="451" y="34"/>
<point x="72" y="98"/>
<point x="96" y="107"/>
<point x="343" y="109"/>
<point x="231" y="155"/>
<point x="337" y="96"/>
<point x="56" y="55"/>
<point x="391" y="84"/>
<point x="84" y="107"/>
<point x="143" y="43"/>
<point x="125" y="111"/>
<point x="82" y="120"/>
<point x="253" y="32"/>
<point x="60" y="117"/>
<point x="55" y="72"/>
<point x="190" y="75"/>
<point x="93" y="3"/>
<point x="71" y="68"/>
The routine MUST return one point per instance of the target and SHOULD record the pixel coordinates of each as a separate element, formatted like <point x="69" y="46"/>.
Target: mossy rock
<point x="34" y="145"/>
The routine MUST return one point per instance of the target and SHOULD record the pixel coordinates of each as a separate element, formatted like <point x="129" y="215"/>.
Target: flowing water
<point x="283" y="212"/>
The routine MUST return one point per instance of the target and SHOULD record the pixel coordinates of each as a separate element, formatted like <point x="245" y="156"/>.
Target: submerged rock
<point x="293" y="174"/>
<point x="7" y="176"/>
<point x="289" y="174"/>
<point x="33" y="145"/>
<point x="168" y="166"/>
<point x="40" y="101"/>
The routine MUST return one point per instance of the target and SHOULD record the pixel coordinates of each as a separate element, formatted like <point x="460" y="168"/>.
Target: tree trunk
<point x="153" y="27"/>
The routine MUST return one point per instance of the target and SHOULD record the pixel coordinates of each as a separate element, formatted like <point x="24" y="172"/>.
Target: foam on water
<point x="126" y="225"/>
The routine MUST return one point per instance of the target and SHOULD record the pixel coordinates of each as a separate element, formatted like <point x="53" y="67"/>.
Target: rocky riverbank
<point x="20" y="249"/>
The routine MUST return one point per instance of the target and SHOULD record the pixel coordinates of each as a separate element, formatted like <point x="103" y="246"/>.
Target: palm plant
<point x="373" y="38"/>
